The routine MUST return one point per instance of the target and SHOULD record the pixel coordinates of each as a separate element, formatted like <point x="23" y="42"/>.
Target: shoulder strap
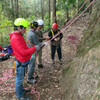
<point x="28" y="40"/>
<point x="52" y="33"/>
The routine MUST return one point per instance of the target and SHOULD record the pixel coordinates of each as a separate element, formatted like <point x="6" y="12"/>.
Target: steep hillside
<point x="80" y="76"/>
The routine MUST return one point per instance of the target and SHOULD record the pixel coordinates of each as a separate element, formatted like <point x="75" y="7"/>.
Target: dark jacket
<point x="53" y="42"/>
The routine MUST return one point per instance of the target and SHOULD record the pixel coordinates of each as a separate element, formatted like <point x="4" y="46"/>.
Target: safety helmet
<point x="34" y="23"/>
<point x="54" y="25"/>
<point x="40" y="22"/>
<point x="21" y="22"/>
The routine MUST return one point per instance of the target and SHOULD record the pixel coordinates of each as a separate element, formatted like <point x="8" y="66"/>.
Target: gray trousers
<point x="39" y="57"/>
<point x="31" y="67"/>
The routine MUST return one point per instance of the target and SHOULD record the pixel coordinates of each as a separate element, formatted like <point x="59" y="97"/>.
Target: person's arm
<point x="61" y="36"/>
<point x="39" y="36"/>
<point x="19" y="47"/>
<point x="41" y="39"/>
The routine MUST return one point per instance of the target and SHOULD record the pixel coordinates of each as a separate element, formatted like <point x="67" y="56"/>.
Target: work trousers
<point x="39" y="57"/>
<point x="53" y="51"/>
<point x="31" y="68"/>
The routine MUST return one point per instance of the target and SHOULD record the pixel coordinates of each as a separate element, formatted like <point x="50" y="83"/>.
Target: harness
<point x="22" y="64"/>
<point x="53" y="32"/>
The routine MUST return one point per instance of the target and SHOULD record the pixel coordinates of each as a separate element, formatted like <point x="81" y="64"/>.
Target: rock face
<point x="80" y="76"/>
<point x="80" y="80"/>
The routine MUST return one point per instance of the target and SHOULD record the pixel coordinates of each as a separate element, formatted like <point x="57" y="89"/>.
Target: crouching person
<point x="22" y="54"/>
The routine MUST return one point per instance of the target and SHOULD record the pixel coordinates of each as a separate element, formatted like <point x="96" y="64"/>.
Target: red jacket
<point x="19" y="46"/>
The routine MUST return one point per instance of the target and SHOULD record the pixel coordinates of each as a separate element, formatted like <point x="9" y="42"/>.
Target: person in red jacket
<point x="22" y="54"/>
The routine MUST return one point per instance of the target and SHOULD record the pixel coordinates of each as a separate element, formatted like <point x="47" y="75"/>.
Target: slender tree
<point x="13" y="15"/>
<point x="49" y="13"/>
<point x="42" y="5"/>
<point x="17" y="7"/>
<point x="90" y="10"/>
<point x="54" y="11"/>
<point x="34" y="7"/>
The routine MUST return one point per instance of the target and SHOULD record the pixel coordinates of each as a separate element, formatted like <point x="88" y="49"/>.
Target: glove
<point x="45" y="43"/>
<point x="37" y="47"/>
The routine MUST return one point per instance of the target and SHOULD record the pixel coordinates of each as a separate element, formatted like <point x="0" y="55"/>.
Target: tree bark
<point x="34" y="7"/>
<point x="49" y="13"/>
<point x="42" y="4"/>
<point x="13" y="15"/>
<point x="17" y="7"/>
<point x="54" y="11"/>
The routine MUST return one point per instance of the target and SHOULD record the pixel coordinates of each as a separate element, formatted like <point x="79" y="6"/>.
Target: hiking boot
<point x="53" y="62"/>
<point x="31" y="81"/>
<point x="26" y="91"/>
<point x="23" y="98"/>
<point x="34" y="76"/>
<point x="60" y="61"/>
<point x="40" y="66"/>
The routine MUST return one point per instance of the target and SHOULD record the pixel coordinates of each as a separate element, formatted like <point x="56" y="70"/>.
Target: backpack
<point x="4" y="56"/>
<point x="6" y="52"/>
<point x="7" y="49"/>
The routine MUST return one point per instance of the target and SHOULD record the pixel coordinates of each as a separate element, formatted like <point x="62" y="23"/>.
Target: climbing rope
<point x="63" y="29"/>
<point x="7" y="82"/>
<point x="75" y="13"/>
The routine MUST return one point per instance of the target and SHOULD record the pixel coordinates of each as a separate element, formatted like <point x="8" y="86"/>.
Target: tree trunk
<point x="34" y="7"/>
<point x="49" y="13"/>
<point x="17" y="7"/>
<point x="42" y="4"/>
<point x="13" y="15"/>
<point x="54" y="11"/>
<point x="77" y="4"/>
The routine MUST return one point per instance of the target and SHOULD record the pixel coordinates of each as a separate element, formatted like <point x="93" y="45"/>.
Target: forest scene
<point x="74" y="72"/>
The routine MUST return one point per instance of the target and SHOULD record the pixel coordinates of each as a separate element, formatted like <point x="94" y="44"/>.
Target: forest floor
<point x="48" y="86"/>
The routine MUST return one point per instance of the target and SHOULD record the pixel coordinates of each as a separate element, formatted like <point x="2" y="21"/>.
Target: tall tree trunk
<point x="54" y="11"/>
<point x="77" y="4"/>
<point x="2" y="5"/>
<point x="13" y="15"/>
<point x="17" y="7"/>
<point x="42" y="4"/>
<point x="67" y="15"/>
<point x="49" y="13"/>
<point x="35" y="8"/>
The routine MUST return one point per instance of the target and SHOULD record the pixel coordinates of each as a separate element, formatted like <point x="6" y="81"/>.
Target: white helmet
<point x="40" y="22"/>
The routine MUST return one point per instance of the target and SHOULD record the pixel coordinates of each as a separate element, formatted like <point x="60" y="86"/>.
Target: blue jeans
<point x="20" y="73"/>
<point x="31" y="68"/>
